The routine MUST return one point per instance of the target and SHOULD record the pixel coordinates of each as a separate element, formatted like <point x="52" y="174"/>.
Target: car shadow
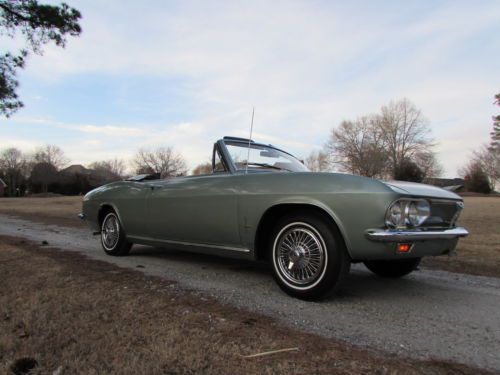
<point x="205" y="261"/>
<point x="360" y="284"/>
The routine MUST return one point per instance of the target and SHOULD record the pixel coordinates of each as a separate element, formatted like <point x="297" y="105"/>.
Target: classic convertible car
<point x="262" y="203"/>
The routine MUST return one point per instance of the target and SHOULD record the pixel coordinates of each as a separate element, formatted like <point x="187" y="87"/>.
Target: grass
<point x="477" y="254"/>
<point x="59" y="210"/>
<point x="66" y="313"/>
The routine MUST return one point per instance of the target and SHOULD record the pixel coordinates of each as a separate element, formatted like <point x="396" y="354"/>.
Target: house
<point x="3" y="185"/>
<point x="77" y="169"/>
<point x="78" y="179"/>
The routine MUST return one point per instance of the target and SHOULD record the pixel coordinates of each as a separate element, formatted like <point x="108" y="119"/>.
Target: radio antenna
<point x="249" y="140"/>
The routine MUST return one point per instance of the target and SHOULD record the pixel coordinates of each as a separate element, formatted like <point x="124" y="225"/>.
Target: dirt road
<point x="431" y="314"/>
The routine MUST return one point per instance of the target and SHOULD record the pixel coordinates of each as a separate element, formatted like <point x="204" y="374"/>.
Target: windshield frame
<point x="233" y="169"/>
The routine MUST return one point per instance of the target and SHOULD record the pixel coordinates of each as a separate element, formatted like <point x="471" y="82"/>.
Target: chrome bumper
<point x="394" y="235"/>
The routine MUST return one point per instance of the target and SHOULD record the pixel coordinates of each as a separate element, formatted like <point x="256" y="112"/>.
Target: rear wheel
<point x="309" y="258"/>
<point x="113" y="239"/>
<point x="392" y="268"/>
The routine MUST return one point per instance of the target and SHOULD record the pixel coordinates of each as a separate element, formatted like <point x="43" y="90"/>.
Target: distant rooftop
<point x="76" y="169"/>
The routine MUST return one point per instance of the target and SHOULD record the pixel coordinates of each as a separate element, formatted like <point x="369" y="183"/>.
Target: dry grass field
<point x="477" y="254"/>
<point x="58" y="210"/>
<point x="63" y="313"/>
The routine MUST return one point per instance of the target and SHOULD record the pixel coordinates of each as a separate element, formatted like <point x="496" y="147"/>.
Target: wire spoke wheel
<point x="110" y="231"/>
<point x="300" y="254"/>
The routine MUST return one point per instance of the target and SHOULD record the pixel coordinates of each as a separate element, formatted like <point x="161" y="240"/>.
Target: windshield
<point x="263" y="157"/>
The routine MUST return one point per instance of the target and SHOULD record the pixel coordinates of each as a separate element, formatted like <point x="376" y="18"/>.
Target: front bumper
<point x="395" y="235"/>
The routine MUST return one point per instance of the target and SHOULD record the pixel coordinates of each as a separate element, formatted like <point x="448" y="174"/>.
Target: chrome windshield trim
<point x="394" y="235"/>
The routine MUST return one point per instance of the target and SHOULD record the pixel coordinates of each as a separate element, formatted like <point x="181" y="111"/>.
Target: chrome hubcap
<point x="110" y="231"/>
<point x="300" y="254"/>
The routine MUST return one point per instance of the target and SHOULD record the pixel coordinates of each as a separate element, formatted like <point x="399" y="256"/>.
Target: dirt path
<point x="431" y="314"/>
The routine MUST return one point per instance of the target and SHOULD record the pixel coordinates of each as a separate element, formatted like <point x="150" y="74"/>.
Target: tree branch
<point x="19" y="15"/>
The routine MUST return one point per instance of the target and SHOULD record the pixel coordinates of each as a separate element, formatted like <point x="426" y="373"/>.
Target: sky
<point x="186" y="73"/>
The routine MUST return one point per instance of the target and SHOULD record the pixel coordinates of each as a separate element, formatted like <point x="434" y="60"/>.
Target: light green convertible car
<point x="262" y="203"/>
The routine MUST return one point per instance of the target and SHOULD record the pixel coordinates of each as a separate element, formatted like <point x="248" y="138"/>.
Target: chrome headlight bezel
<point x="407" y="212"/>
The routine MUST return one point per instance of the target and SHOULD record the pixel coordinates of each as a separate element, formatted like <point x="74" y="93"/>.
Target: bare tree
<point x="405" y="133"/>
<point x="110" y="170"/>
<point x="384" y="145"/>
<point x="13" y="164"/>
<point x="162" y="160"/>
<point x="428" y="163"/>
<point x="358" y="147"/>
<point x="203" y="168"/>
<point x="318" y="161"/>
<point x="489" y="159"/>
<point x="52" y="155"/>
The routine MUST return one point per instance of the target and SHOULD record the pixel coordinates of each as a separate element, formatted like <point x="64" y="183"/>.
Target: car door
<point x="195" y="209"/>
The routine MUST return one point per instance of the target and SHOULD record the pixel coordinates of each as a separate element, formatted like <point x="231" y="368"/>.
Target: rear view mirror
<point x="269" y="154"/>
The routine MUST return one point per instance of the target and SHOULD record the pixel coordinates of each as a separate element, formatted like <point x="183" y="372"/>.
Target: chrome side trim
<point x="390" y="235"/>
<point x="446" y="201"/>
<point x="184" y="243"/>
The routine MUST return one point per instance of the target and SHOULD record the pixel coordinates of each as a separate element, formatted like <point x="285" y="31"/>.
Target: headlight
<point x="407" y="212"/>
<point x="394" y="216"/>
<point x="418" y="212"/>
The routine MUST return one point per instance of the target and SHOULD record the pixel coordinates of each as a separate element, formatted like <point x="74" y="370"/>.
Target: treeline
<point x="396" y="143"/>
<point x="482" y="171"/>
<point x="47" y="169"/>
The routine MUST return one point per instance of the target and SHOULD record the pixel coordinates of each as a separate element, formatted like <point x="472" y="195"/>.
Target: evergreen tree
<point x="495" y="134"/>
<point x="39" y="24"/>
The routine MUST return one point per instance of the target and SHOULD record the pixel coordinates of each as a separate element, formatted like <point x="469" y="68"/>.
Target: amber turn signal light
<point x="404" y="247"/>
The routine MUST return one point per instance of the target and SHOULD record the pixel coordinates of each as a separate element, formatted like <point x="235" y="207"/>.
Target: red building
<point x="3" y="185"/>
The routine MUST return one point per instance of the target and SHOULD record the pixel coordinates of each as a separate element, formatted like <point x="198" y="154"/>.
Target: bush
<point x="476" y="179"/>
<point x="409" y="171"/>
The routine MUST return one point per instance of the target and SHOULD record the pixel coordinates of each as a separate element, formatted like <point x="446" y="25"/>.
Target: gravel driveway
<point x="430" y="314"/>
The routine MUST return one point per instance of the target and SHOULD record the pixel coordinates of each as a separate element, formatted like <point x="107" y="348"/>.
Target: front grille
<point x="444" y="213"/>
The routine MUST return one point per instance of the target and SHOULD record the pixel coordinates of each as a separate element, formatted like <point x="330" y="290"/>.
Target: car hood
<point x="422" y="190"/>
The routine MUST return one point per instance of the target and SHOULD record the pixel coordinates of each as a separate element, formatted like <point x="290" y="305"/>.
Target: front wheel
<point x="309" y="258"/>
<point x="392" y="268"/>
<point x="113" y="239"/>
